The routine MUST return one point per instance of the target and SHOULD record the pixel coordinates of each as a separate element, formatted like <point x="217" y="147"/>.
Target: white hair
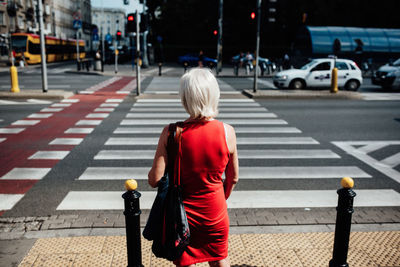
<point x="199" y="93"/>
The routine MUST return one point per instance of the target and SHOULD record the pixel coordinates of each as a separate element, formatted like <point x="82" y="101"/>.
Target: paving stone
<point x="6" y="220"/>
<point x="29" y="219"/>
<point x="67" y="217"/>
<point x="81" y="224"/>
<point x="19" y="219"/>
<point x="32" y="226"/>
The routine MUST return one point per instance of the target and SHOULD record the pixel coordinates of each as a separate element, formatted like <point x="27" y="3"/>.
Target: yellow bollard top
<point x="347" y="182"/>
<point x="130" y="184"/>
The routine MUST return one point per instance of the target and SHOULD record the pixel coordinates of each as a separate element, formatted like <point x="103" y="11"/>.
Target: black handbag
<point x="167" y="224"/>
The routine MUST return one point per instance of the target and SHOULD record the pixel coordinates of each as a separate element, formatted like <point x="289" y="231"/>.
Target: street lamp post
<point x="219" y="46"/>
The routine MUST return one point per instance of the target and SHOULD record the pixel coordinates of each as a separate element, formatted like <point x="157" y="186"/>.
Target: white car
<point x="388" y="76"/>
<point x="318" y="72"/>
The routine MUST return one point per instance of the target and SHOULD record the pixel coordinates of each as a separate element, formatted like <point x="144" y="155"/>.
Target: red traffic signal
<point x="252" y="15"/>
<point x="131" y="18"/>
<point x="119" y="33"/>
<point x="215" y="32"/>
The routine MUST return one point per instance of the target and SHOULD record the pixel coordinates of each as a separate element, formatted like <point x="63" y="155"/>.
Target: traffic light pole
<point x="257" y="45"/>
<point x="145" y="59"/>
<point x="219" y="46"/>
<point x="42" y="47"/>
<point x="137" y="53"/>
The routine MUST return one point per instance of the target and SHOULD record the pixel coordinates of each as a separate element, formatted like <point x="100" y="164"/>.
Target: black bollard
<point x="132" y="224"/>
<point x="159" y="68"/>
<point x="343" y="223"/>
<point x="78" y="65"/>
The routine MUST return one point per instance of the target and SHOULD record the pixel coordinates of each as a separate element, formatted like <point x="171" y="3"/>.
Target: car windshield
<point x="19" y="43"/>
<point x="308" y="65"/>
<point x="397" y="63"/>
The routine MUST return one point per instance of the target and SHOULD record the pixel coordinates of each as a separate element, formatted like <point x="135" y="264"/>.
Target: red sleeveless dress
<point x="204" y="157"/>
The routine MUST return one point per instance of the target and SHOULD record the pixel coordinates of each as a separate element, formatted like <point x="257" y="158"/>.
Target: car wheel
<point x="352" y="85"/>
<point x="297" y="84"/>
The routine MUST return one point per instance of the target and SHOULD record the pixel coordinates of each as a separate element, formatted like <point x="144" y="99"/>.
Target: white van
<point x="388" y="76"/>
<point x="317" y="73"/>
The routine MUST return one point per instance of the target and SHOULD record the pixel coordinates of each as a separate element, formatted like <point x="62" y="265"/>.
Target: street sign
<point x="108" y="38"/>
<point x="77" y="24"/>
<point x="96" y="37"/>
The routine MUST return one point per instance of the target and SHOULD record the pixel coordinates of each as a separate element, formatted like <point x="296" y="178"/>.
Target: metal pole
<point x="219" y="45"/>
<point x="257" y="45"/>
<point x="132" y="224"/>
<point x="77" y="49"/>
<point x="42" y="47"/>
<point x="102" y="38"/>
<point x="145" y="59"/>
<point x="137" y="53"/>
<point x="343" y="224"/>
<point x="116" y="56"/>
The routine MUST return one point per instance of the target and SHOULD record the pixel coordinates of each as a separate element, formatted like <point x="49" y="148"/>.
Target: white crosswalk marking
<point x="111" y="200"/>
<point x="7" y="201"/>
<point x="254" y="126"/>
<point x="26" y="174"/>
<point x="11" y="130"/>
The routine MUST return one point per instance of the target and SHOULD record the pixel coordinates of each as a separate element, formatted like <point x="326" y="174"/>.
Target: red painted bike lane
<point x="49" y="135"/>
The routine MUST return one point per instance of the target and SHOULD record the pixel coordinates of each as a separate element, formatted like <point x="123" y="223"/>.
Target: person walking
<point x="208" y="149"/>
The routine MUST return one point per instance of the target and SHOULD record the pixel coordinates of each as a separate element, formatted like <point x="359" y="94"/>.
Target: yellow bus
<point x="27" y="45"/>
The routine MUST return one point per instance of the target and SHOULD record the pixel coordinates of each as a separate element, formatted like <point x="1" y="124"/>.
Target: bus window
<point x="34" y="48"/>
<point x="19" y="43"/>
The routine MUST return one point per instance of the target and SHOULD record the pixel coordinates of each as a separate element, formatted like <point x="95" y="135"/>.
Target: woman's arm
<point x="160" y="159"/>
<point x="232" y="168"/>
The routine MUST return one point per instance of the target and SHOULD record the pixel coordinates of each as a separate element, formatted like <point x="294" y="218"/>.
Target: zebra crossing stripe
<point x="11" y="130"/>
<point x="123" y="141"/>
<point x="173" y="104"/>
<point x="115" y="173"/>
<point x="79" y="130"/>
<point x="112" y="200"/>
<point x="97" y="115"/>
<point x="26" y="122"/>
<point x="224" y="100"/>
<point x="70" y="100"/>
<point x="51" y="155"/>
<point x="2" y="139"/>
<point x="40" y="116"/>
<point x="88" y="122"/>
<point x="51" y="109"/>
<point x="26" y="174"/>
<point x="181" y="109"/>
<point x="243" y="154"/>
<point x="104" y="109"/>
<point x="229" y="121"/>
<point x="66" y="141"/>
<point x="277" y="172"/>
<point x="7" y="201"/>
<point x="184" y="115"/>
<point x="61" y="105"/>
<point x="302" y="172"/>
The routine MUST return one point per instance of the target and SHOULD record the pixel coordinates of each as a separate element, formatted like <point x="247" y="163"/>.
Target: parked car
<point x="317" y="73"/>
<point x="193" y="60"/>
<point x="388" y="75"/>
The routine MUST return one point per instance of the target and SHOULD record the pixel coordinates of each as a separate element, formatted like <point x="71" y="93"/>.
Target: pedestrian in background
<point x="201" y="59"/>
<point x="208" y="149"/>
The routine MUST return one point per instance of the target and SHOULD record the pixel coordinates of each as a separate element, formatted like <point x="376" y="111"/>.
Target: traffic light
<point x="131" y="23"/>
<point x="215" y="32"/>
<point x="272" y="8"/>
<point x="253" y="15"/>
<point x="143" y="22"/>
<point x="119" y="34"/>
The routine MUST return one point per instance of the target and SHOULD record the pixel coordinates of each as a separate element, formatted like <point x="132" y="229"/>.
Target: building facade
<point x="108" y="21"/>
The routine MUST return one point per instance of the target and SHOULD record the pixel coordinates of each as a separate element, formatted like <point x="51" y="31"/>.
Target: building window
<point x="20" y="22"/>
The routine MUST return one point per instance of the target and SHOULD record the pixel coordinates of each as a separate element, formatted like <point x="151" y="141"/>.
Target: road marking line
<point x="79" y="130"/>
<point x="7" y="201"/>
<point x="114" y="100"/>
<point x="56" y="105"/>
<point x="185" y="115"/>
<point x="109" y="105"/>
<point x="88" y="122"/>
<point x="243" y="154"/>
<point x="38" y="101"/>
<point x="51" y="155"/>
<point x="392" y="161"/>
<point x="25" y="122"/>
<point x="348" y="146"/>
<point x="26" y="174"/>
<point x="115" y="173"/>
<point x="51" y="109"/>
<point x="11" y="130"/>
<point x="40" y="116"/>
<point x="229" y="121"/>
<point x="97" y="115"/>
<point x="111" y="200"/>
<point x="2" y="139"/>
<point x="104" y="109"/>
<point x="69" y="100"/>
<point x="66" y="141"/>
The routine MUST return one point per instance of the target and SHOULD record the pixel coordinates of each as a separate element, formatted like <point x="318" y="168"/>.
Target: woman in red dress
<point x="208" y="150"/>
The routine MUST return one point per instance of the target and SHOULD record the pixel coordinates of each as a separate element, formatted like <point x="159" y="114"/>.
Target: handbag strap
<point x="174" y="152"/>
<point x="178" y="141"/>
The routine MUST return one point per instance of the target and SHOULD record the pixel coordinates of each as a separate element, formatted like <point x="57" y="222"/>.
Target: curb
<point x="37" y="94"/>
<point x="84" y="72"/>
<point x="300" y="94"/>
